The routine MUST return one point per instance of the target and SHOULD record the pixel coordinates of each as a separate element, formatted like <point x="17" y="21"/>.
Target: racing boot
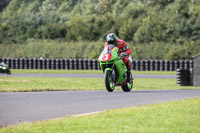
<point x="129" y="76"/>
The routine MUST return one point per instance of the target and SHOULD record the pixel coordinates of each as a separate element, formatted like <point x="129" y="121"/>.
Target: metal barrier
<point x="93" y="64"/>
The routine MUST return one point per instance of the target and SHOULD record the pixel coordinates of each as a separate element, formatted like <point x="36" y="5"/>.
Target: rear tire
<point x="110" y="85"/>
<point x="128" y="86"/>
<point x="8" y="71"/>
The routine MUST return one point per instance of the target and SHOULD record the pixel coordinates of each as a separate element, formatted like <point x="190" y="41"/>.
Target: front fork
<point x="113" y="76"/>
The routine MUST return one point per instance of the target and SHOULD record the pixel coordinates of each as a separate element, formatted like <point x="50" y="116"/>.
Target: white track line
<point x="88" y="113"/>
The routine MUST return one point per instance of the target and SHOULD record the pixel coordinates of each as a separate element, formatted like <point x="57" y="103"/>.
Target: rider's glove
<point x="123" y="54"/>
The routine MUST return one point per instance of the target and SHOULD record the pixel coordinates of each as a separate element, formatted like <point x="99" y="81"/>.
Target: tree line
<point x="144" y="24"/>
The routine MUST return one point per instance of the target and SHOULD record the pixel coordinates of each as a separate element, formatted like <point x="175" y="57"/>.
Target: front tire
<point x="110" y="84"/>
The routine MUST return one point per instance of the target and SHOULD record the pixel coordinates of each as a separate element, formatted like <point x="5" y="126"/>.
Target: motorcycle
<point x="114" y="69"/>
<point x="4" y="68"/>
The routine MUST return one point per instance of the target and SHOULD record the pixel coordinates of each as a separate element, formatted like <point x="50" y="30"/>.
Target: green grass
<point x="56" y="71"/>
<point x="49" y="84"/>
<point x="84" y="71"/>
<point x="13" y="84"/>
<point x="170" y="117"/>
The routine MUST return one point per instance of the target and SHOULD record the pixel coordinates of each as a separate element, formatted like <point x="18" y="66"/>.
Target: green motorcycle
<point x="114" y="69"/>
<point x="4" y="68"/>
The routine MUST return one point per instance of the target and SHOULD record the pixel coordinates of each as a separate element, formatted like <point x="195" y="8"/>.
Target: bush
<point x="182" y="52"/>
<point x="92" y="49"/>
<point x="155" y="29"/>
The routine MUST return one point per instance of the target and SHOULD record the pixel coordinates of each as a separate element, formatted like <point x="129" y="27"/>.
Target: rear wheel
<point x="110" y="84"/>
<point x="128" y="86"/>
<point x="8" y="71"/>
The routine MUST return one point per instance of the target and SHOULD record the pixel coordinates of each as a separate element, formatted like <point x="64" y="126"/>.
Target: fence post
<point x="17" y="63"/>
<point x="5" y="60"/>
<point x="152" y="65"/>
<point x="133" y="66"/>
<point x="76" y="64"/>
<point x="42" y="63"/>
<point x="55" y="67"/>
<point x="59" y="64"/>
<point x="162" y="65"/>
<point x="67" y="64"/>
<point x="26" y="63"/>
<point x="85" y="62"/>
<point x="9" y="62"/>
<point x="63" y="64"/>
<point x="89" y="65"/>
<point x="30" y="63"/>
<point x="12" y="63"/>
<point x="157" y="65"/>
<point x="182" y="65"/>
<point x="80" y="64"/>
<point x="49" y="63"/>
<point x="39" y="64"/>
<point x="22" y="63"/>
<point x="142" y="65"/>
<point x="95" y="64"/>
<point x="172" y="66"/>
<point x="187" y="64"/>
<point x="75" y="67"/>
<point x="167" y="65"/>
<point x="138" y="64"/>
<point x="98" y="64"/>
<point x="147" y="65"/>
<point x="71" y="64"/>
<point x="53" y="64"/>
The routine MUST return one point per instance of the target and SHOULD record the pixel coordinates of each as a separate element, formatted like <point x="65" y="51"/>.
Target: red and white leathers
<point x="121" y="45"/>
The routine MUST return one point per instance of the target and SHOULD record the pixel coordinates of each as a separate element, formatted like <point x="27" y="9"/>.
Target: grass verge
<point x="17" y="84"/>
<point x="84" y="71"/>
<point x="170" y="117"/>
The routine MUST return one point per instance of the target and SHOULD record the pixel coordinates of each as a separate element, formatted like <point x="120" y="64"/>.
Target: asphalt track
<point x="155" y="76"/>
<point x="35" y="106"/>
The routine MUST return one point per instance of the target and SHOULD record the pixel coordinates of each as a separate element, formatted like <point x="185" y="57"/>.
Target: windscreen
<point x="108" y="49"/>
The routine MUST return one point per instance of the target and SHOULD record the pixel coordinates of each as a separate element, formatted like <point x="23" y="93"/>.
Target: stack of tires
<point x="183" y="77"/>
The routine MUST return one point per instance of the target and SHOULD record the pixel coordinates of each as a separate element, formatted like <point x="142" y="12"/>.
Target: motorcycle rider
<point x="124" y="51"/>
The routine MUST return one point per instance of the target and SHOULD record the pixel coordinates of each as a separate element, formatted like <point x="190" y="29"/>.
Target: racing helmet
<point x="111" y="38"/>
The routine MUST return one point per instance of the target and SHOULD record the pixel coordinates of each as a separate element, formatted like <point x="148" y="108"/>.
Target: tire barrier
<point x="183" y="77"/>
<point x="93" y="64"/>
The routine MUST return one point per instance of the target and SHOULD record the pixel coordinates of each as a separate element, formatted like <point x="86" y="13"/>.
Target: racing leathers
<point x="123" y="51"/>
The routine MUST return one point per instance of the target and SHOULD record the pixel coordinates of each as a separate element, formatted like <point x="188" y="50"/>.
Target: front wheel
<point x="110" y="84"/>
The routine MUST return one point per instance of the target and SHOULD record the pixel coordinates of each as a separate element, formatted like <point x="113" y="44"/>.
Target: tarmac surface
<point x="20" y="107"/>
